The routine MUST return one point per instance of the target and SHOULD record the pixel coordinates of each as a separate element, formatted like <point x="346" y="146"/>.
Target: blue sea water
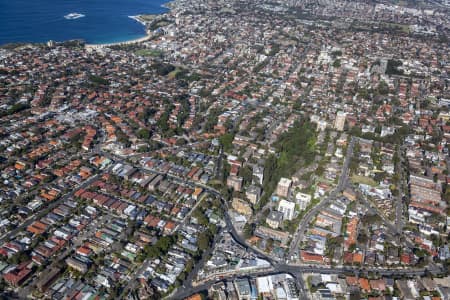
<point x="105" y="21"/>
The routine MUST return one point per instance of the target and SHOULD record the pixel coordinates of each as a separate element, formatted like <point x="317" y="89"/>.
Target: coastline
<point x="120" y="31"/>
<point x="138" y="18"/>
<point x="128" y="42"/>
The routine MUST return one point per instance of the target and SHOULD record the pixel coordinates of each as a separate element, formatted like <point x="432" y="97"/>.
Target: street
<point x="303" y="225"/>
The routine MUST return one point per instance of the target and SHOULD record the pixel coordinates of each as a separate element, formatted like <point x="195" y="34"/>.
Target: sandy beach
<point x="139" y="40"/>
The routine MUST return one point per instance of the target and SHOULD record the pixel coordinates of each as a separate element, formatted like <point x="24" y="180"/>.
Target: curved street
<point x="295" y="270"/>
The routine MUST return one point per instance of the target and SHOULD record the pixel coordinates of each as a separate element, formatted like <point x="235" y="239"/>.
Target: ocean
<point x="104" y="21"/>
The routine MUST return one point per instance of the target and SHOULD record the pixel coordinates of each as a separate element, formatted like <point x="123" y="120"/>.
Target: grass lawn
<point x="402" y="27"/>
<point x="148" y="52"/>
<point x="363" y="180"/>
<point x="174" y="73"/>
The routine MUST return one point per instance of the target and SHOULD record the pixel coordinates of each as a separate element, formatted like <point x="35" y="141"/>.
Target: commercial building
<point x="258" y="174"/>
<point x="253" y="194"/>
<point x="287" y="208"/>
<point x="339" y="122"/>
<point x="235" y="182"/>
<point x="283" y="187"/>
<point x="303" y="200"/>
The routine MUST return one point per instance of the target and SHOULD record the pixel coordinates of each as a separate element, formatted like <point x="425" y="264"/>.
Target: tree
<point x="143" y="133"/>
<point x="337" y="63"/>
<point x="160" y="248"/>
<point x="163" y="69"/>
<point x="212" y="228"/>
<point x="212" y="119"/>
<point x="269" y="244"/>
<point x="181" y="142"/>
<point x="362" y="238"/>
<point x="296" y="148"/>
<point x="247" y="174"/>
<point x="336" y="53"/>
<point x="383" y="88"/>
<point x="392" y="67"/>
<point x="203" y="241"/>
<point x="248" y="230"/>
<point x="226" y="141"/>
<point x="201" y="218"/>
<point x="98" y="80"/>
<point x="352" y="248"/>
<point x="162" y="122"/>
